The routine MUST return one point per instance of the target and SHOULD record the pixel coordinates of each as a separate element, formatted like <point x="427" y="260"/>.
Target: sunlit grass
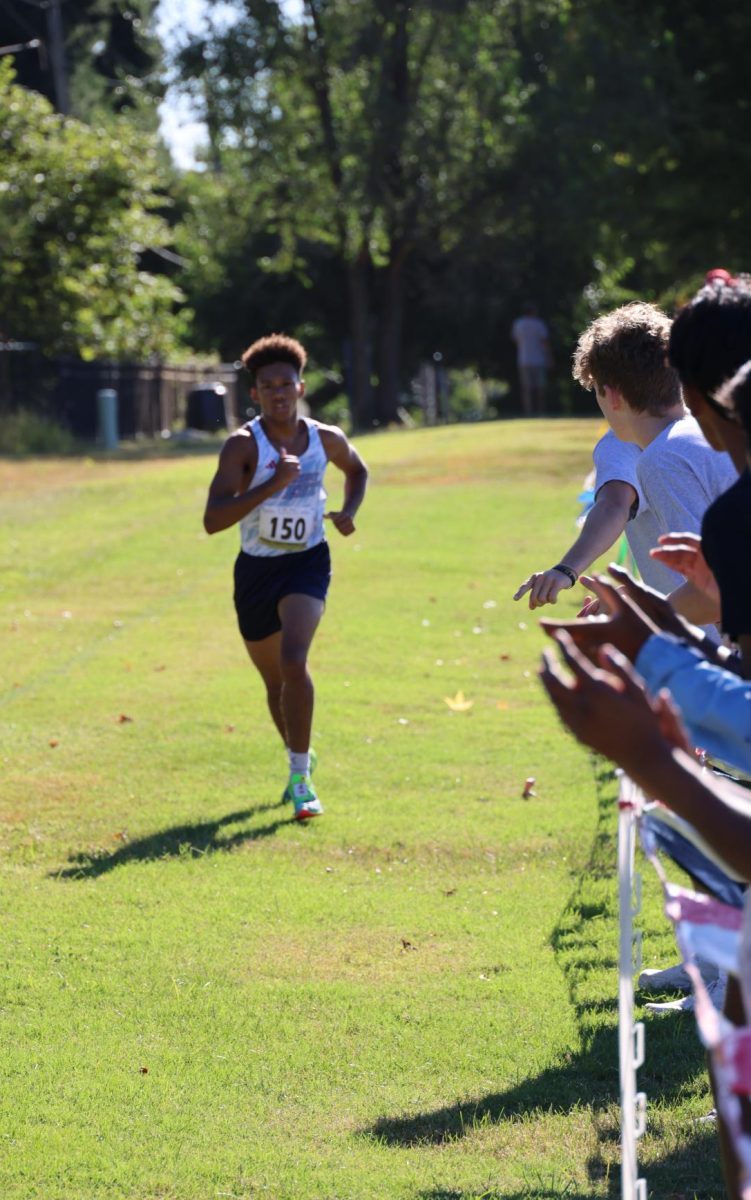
<point x="413" y="997"/>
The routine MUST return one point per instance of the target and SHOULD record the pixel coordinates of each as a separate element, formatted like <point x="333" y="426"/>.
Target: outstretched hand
<point x="543" y="587"/>
<point x="607" y="708"/>
<point x="342" y="521"/>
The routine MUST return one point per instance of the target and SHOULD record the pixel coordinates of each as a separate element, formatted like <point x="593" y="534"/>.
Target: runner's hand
<point x="287" y="469"/>
<point x="342" y="521"/>
<point x="543" y="587"/>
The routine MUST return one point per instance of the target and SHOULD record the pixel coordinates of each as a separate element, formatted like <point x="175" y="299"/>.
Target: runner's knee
<point x="294" y="663"/>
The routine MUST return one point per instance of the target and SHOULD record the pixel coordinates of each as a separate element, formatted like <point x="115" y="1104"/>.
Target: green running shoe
<point x="286" y="794"/>
<point x="303" y="797"/>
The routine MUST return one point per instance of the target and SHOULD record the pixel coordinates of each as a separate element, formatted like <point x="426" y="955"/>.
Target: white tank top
<point x="290" y="520"/>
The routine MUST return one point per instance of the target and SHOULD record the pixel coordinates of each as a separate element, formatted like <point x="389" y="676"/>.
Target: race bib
<point x="284" y="528"/>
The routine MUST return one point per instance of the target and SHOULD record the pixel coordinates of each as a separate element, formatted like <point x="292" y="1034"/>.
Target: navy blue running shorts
<point x="260" y="583"/>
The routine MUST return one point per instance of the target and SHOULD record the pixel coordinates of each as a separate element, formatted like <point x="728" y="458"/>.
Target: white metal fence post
<point x="630" y="1036"/>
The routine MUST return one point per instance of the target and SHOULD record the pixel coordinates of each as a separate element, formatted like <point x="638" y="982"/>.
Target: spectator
<point x="533" y="358"/>
<point x="621" y="356"/>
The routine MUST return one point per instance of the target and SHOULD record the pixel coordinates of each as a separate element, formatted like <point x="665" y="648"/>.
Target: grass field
<point x="413" y="998"/>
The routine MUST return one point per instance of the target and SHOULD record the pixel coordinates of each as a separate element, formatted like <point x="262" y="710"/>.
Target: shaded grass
<point x="413" y="997"/>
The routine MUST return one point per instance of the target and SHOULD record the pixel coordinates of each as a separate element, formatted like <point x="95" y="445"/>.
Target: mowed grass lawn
<point x="412" y="997"/>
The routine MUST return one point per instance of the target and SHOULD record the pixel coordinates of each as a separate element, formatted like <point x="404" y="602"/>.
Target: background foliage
<point x="388" y="179"/>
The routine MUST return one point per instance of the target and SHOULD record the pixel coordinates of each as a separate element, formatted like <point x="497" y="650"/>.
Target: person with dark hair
<point x="606" y="707"/>
<point x="710" y="347"/>
<point x="726" y="528"/>
<point x="710" y="339"/>
<point x="269" y="481"/>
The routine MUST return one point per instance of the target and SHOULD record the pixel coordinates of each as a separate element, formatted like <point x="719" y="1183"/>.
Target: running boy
<point x="270" y="481"/>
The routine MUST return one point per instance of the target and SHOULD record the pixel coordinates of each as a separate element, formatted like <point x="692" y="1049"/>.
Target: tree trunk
<point x="360" y="391"/>
<point x="390" y="330"/>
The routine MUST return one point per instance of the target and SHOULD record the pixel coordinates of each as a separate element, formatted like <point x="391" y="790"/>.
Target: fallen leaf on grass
<point x="458" y="703"/>
<point x="450" y="892"/>
<point x="123" y="719"/>
<point x="501" y="704"/>
<point x="229" y="729"/>
<point x="54" y="742"/>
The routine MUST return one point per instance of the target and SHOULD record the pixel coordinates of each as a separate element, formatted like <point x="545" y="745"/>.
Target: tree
<point x="111" y="55"/>
<point x="78" y="210"/>
<point x="379" y="131"/>
<point x="406" y="174"/>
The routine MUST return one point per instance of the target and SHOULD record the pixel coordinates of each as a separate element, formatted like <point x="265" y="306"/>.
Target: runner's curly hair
<point x="627" y="349"/>
<point x="277" y="347"/>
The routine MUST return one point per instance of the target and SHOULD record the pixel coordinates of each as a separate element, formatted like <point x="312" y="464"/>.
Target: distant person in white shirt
<point x="533" y="358"/>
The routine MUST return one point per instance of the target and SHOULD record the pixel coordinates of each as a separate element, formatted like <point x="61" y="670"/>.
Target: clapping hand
<point x="682" y="552"/>
<point x="606" y="707"/>
<point x="627" y="626"/>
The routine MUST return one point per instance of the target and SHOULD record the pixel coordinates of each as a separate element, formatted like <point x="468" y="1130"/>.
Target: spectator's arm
<point x="603" y="525"/>
<point x="715" y="703"/>
<point x="694" y="605"/>
<point x="606" y="708"/>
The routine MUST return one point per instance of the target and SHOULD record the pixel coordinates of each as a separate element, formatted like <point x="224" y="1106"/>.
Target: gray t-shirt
<point x="617" y="460"/>
<point x="680" y="475"/>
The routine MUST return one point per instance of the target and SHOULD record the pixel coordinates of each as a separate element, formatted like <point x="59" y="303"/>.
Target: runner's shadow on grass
<point x="181" y="841"/>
